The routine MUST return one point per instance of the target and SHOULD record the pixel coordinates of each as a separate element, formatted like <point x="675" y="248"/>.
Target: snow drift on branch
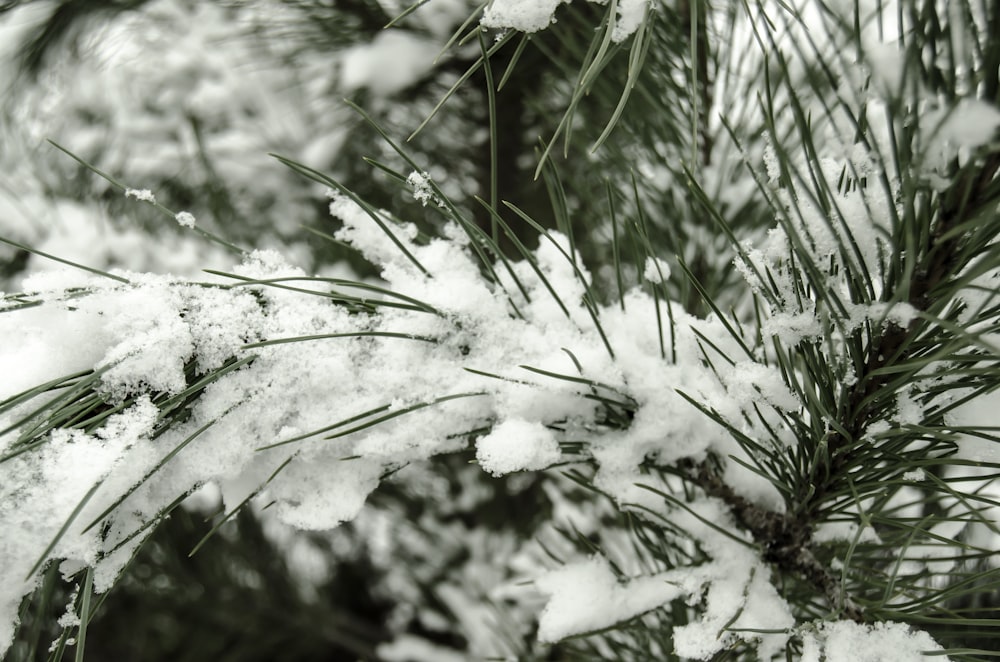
<point x="365" y="383"/>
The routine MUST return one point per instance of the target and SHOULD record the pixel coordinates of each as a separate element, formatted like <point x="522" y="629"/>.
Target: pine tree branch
<point x="938" y="262"/>
<point x="785" y="538"/>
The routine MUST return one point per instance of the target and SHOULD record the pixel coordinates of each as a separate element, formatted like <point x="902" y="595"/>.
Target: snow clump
<point x="535" y="15"/>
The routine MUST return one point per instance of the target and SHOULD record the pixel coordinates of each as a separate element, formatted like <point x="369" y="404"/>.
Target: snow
<point x="141" y="194"/>
<point x="744" y="599"/>
<point x="185" y="219"/>
<point x="847" y="641"/>
<point x="307" y="425"/>
<point x="908" y="410"/>
<point x="749" y="383"/>
<point x="409" y="648"/>
<point x="982" y="412"/>
<point x="631" y="14"/>
<point x="390" y="63"/>
<point x="970" y="124"/>
<point x="54" y="481"/>
<point x="148" y="334"/>
<point x="534" y="15"/>
<point x="656" y="270"/>
<point x="587" y="596"/>
<point x="956" y="131"/>
<point x="845" y="531"/>
<point x="312" y="501"/>
<point x="888" y="64"/>
<point x="523" y="15"/>
<point x="47" y="342"/>
<point x="422" y="191"/>
<point x="517" y="445"/>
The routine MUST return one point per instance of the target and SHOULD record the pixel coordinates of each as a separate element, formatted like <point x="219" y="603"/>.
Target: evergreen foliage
<point x="707" y="290"/>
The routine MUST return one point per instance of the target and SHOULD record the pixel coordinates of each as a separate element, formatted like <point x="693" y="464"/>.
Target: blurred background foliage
<point x="187" y="99"/>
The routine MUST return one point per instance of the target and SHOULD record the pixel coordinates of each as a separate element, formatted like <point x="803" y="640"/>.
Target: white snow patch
<point x="391" y="62"/>
<point x="887" y="63"/>
<point x="748" y="382"/>
<point x="422" y="191"/>
<point x="630" y="16"/>
<point x="184" y="219"/>
<point x="314" y="501"/>
<point x="587" y="596"/>
<point x="535" y="15"/>
<point x="656" y="271"/>
<point x="980" y="412"/>
<point x="523" y="15"/>
<point x="143" y="194"/>
<point x="971" y="123"/>
<point x="847" y="641"/>
<point x="517" y="445"/>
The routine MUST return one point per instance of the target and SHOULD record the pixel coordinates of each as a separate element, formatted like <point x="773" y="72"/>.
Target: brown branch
<point x="786" y="540"/>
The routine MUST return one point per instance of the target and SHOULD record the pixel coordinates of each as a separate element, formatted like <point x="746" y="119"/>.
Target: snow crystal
<point x="70" y="619"/>
<point x="184" y="219"/>
<point x="153" y="342"/>
<point x="877" y="428"/>
<point x="847" y="641"/>
<point x="362" y="231"/>
<point x="220" y="322"/>
<point x="517" y="445"/>
<point x="792" y="328"/>
<point x="143" y="194"/>
<point x="422" y="191"/>
<point x="900" y="313"/>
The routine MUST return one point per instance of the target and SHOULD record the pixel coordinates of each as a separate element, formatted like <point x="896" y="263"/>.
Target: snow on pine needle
<point x="789" y="448"/>
<point x="310" y="391"/>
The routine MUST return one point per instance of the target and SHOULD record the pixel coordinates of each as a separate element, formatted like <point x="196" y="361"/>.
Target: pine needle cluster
<point x="714" y="313"/>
